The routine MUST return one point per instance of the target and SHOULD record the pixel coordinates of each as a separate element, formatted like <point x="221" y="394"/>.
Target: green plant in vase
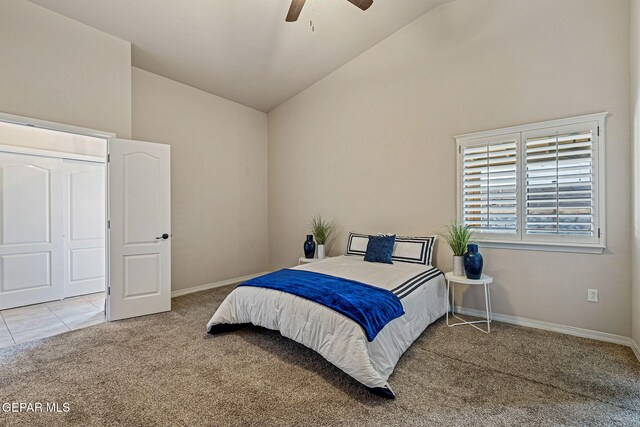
<point x="322" y="231"/>
<point x="458" y="237"/>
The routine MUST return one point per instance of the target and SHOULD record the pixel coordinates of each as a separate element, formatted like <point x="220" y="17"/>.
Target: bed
<point x="419" y="287"/>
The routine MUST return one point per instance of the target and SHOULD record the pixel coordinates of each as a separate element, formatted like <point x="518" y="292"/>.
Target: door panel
<point x="140" y="214"/>
<point x="84" y="201"/>
<point x="26" y="271"/>
<point x="26" y="190"/>
<point x="141" y="193"/>
<point x="87" y="201"/>
<point x="31" y="255"/>
<point x="87" y="264"/>
<point x="142" y="275"/>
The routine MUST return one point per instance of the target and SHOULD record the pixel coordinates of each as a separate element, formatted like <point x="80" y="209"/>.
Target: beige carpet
<point x="164" y="370"/>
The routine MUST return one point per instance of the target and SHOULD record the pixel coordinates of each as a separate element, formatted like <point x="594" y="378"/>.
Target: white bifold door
<point x="84" y="227"/>
<point x="52" y="228"/>
<point x="140" y="229"/>
<point x="31" y="230"/>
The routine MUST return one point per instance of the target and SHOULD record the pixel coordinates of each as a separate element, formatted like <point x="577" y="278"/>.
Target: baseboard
<point x="636" y="348"/>
<point x="219" y="284"/>
<point x="554" y="327"/>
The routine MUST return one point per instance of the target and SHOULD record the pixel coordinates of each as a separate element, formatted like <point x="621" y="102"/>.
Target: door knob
<point x="165" y="236"/>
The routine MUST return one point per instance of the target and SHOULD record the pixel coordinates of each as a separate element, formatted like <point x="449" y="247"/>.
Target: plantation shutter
<point x="537" y="187"/>
<point x="560" y="183"/>
<point x="489" y="187"/>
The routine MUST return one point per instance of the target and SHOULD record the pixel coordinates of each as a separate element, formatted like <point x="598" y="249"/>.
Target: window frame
<point x="520" y="240"/>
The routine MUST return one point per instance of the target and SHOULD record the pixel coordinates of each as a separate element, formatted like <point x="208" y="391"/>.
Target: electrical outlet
<point x="592" y="295"/>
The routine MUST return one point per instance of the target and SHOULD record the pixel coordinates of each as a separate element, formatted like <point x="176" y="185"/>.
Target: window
<point x="490" y="186"/>
<point x="537" y="186"/>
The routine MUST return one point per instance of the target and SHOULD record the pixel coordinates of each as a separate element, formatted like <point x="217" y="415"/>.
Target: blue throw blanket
<point x="369" y="306"/>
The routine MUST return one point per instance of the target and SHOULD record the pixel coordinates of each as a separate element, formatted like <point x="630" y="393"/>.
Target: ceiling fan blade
<point x="362" y="4"/>
<point x="294" y="10"/>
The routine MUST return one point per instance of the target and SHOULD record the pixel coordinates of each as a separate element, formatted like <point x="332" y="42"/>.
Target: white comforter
<point x="336" y="337"/>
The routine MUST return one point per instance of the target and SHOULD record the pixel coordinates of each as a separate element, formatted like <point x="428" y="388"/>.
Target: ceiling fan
<point x="296" y="7"/>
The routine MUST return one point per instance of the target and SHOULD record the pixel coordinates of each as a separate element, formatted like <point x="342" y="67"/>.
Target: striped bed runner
<point x="415" y="282"/>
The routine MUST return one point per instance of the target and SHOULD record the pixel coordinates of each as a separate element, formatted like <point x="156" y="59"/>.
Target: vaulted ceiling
<point x="243" y="50"/>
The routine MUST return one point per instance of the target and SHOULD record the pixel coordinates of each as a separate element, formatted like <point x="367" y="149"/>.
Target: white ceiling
<point x="243" y="50"/>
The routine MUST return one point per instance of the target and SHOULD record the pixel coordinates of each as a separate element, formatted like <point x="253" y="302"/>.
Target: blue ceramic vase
<point x="309" y="247"/>
<point x="473" y="262"/>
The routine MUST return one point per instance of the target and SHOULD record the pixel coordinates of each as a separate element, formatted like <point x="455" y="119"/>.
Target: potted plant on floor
<point x="322" y="231"/>
<point x="458" y="236"/>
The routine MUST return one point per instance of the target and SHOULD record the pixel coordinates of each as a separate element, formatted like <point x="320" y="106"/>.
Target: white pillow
<point x="357" y="244"/>
<point x="414" y="250"/>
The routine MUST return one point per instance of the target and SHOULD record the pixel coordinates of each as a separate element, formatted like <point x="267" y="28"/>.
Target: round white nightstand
<point x="304" y="260"/>
<point x="485" y="281"/>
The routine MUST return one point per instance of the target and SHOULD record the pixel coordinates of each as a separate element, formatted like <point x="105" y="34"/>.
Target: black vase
<point x="309" y="247"/>
<point x="473" y="262"/>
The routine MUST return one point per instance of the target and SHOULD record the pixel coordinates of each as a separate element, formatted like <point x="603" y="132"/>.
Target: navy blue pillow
<point x="380" y="249"/>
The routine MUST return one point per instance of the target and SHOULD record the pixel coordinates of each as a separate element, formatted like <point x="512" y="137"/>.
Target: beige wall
<point x="218" y="178"/>
<point x="54" y="68"/>
<point x="635" y="118"/>
<point x="372" y="144"/>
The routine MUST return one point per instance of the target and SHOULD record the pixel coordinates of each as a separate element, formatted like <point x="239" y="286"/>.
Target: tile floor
<point x="22" y="324"/>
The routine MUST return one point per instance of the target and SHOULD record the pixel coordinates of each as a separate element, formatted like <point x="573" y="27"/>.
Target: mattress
<point x="340" y="340"/>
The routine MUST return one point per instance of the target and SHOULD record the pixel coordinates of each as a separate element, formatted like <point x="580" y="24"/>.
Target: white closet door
<point x="84" y="230"/>
<point x="31" y="243"/>
<point x="139" y="242"/>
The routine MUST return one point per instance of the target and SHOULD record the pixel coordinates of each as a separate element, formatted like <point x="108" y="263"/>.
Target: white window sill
<point x="547" y="247"/>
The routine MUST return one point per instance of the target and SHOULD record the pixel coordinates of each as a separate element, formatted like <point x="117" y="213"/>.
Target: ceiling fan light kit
<point x="296" y="8"/>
